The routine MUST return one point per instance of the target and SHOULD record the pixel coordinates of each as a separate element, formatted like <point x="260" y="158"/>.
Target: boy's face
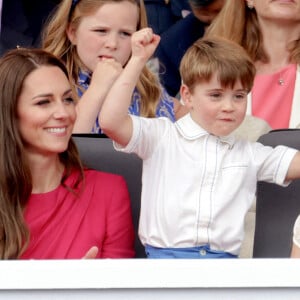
<point x="216" y="109"/>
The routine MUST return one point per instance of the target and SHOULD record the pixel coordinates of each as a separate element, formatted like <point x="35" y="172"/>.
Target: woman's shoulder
<point x="96" y="176"/>
<point x="104" y="185"/>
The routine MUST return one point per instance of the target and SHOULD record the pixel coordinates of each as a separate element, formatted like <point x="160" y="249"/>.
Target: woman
<point x="270" y="32"/>
<point x="50" y="207"/>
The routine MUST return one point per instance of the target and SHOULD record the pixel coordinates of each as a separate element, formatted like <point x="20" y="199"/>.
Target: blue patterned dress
<point x="165" y="107"/>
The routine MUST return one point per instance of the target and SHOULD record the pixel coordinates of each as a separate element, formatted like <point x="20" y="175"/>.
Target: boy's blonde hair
<point x="56" y="41"/>
<point x="209" y="56"/>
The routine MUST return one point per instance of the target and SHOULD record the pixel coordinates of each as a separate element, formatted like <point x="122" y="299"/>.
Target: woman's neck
<point x="46" y="173"/>
<point x="276" y="38"/>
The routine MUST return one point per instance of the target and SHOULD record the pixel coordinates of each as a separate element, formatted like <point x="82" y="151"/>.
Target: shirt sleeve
<point x="275" y="163"/>
<point x="146" y="136"/>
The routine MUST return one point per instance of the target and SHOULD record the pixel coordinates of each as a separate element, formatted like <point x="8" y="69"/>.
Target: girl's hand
<point x="144" y="43"/>
<point x="105" y="74"/>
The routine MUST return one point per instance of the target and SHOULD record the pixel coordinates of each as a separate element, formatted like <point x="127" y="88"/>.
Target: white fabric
<point x="295" y="111"/>
<point x="296" y="235"/>
<point x="198" y="187"/>
<point x="252" y="128"/>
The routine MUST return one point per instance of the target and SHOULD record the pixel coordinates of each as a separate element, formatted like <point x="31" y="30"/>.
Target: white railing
<point x="151" y="279"/>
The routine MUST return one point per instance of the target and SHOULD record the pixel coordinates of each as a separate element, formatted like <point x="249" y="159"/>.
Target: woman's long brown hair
<point x="15" y="176"/>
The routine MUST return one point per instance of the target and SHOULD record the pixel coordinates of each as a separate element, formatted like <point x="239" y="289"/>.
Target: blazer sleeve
<point x="119" y="239"/>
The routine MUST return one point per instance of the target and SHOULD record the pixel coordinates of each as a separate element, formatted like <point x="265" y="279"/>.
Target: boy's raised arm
<point x="114" y="118"/>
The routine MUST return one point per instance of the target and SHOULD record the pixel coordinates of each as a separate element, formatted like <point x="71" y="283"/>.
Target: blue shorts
<point x="200" y="252"/>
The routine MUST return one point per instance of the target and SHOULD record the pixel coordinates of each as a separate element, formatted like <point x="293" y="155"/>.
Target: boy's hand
<point x="144" y="43"/>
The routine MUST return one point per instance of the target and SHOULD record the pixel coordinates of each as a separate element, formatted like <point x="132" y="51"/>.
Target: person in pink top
<point x="50" y="206"/>
<point x="270" y="32"/>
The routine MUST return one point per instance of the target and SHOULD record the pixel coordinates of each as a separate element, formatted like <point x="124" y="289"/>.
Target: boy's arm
<point x="114" y="118"/>
<point x="294" y="168"/>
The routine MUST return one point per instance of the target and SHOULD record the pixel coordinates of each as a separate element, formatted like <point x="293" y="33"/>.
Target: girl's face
<point x="216" y="109"/>
<point x="46" y="111"/>
<point x="106" y="33"/>
<point x="281" y="10"/>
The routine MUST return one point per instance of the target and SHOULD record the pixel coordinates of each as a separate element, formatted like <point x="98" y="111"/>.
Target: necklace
<point x="281" y="81"/>
<point x="283" y="75"/>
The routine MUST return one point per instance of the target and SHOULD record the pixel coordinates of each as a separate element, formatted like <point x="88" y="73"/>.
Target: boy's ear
<point x="186" y="95"/>
<point x="71" y="33"/>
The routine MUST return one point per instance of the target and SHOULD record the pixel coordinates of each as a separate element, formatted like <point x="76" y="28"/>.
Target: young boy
<point x="198" y="180"/>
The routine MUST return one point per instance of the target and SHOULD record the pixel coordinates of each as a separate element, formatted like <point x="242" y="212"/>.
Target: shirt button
<point x="202" y="252"/>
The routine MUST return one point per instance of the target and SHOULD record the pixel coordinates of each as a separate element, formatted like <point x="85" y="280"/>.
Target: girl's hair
<point x="15" y="175"/>
<point x="239" y="23"/>
<point x="209" y="56"/>
<point x="56" y="41"/>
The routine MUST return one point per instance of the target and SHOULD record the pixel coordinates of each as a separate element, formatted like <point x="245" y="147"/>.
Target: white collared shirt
<point x="197" y="187"/>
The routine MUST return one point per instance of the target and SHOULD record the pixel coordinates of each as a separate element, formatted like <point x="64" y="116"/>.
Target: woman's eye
<point x="43" y="102"/>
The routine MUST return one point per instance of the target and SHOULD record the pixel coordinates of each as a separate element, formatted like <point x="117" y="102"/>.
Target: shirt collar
<point x="190" y="130"/>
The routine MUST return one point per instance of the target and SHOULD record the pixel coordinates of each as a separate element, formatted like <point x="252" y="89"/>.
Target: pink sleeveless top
<point x="272" y="96"/>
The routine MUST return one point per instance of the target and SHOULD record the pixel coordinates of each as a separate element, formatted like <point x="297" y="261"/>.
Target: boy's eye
<point x="215" y="95"/>
<point x="240" y="96"/>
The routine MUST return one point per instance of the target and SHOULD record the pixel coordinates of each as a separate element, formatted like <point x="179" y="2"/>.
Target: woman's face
<point x="46" y="111"/>
<point x="105" y="34"/>
<point x="281" y="10"/>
